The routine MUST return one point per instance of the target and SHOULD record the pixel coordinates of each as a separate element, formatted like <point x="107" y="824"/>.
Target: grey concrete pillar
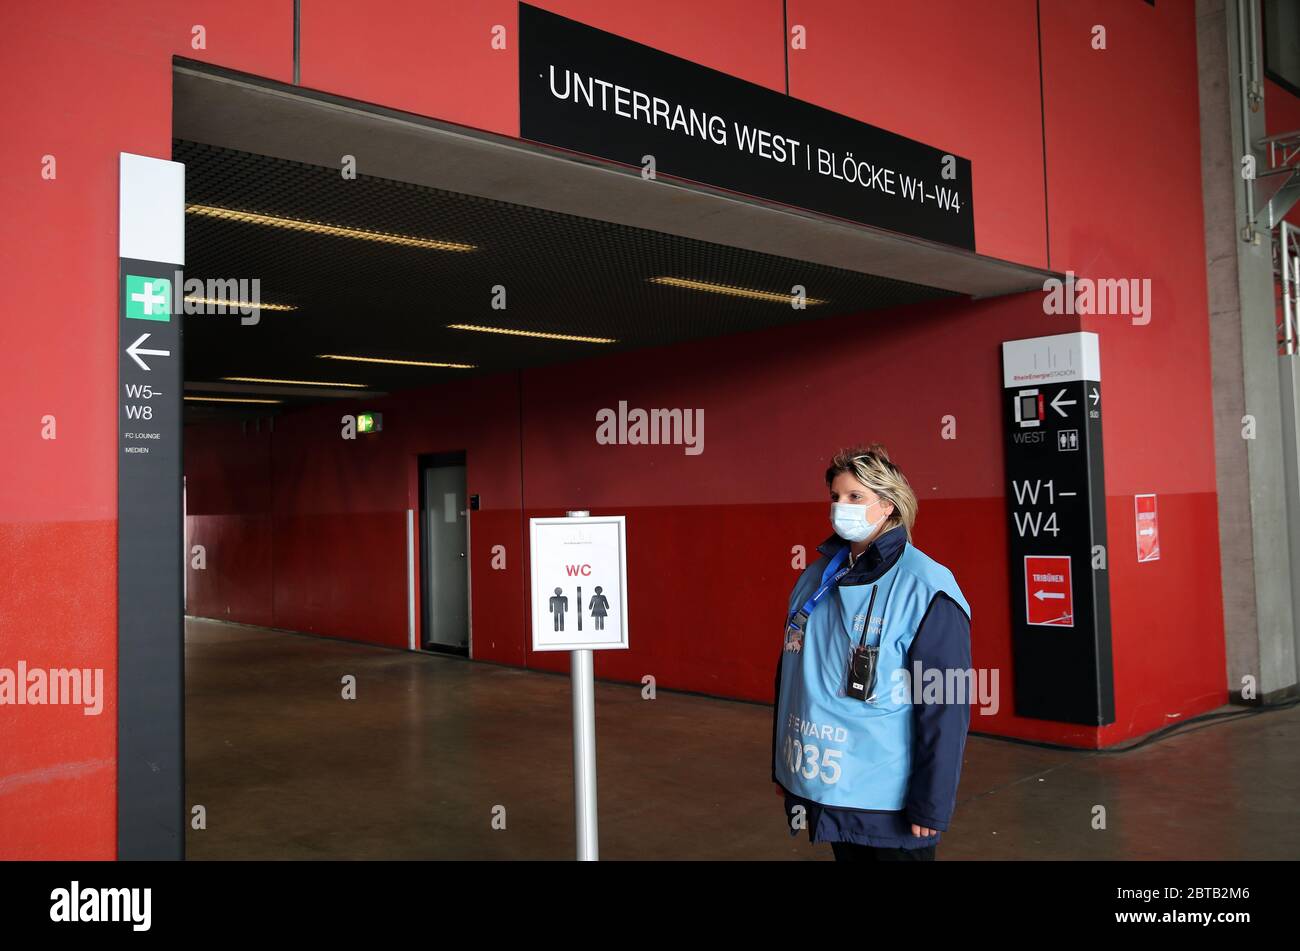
<point x="1256" y="512"/>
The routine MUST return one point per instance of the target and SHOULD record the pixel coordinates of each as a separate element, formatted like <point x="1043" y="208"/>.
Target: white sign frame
<point x="546" y="640"/>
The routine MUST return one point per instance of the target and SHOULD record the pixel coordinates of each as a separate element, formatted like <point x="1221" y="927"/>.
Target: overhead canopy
<point x="580" y="245"/>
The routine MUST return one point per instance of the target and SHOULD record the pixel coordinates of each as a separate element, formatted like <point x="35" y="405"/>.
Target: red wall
<point x="83" y="81"/>
<point x="450" y="70"/>
<point x="1124" y="183"/>
<point x="306" y="531"/>
<point x="738" y="508"/>
<point x="960" y="76"/>
<point x="290" y="520"/>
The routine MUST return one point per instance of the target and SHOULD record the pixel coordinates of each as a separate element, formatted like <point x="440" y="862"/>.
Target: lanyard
<point x="800" y="618"/>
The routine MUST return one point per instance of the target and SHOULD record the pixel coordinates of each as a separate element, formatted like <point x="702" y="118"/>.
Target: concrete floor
<point x="413" y="768"/>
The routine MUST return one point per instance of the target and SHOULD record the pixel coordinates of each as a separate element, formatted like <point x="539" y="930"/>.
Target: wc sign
<point x="579" y="583"/>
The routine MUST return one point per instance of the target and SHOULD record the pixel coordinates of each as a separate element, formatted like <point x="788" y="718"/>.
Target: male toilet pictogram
<point x="559" y="604"/>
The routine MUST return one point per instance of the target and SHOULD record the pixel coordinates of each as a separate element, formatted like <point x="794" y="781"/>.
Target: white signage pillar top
<point x="151" y="209"/>
<point x="1060" y="358"/>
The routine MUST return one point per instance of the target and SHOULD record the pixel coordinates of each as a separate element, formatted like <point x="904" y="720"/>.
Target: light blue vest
<point x="834" y="749"/>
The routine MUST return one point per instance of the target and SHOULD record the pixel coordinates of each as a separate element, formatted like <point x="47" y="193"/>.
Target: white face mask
<point x="850" y="520"/>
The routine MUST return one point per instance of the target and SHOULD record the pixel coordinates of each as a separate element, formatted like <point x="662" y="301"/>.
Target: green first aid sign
<point x="148" y="298"/>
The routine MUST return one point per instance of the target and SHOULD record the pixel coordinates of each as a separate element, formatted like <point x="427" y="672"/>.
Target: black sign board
<point x="1056" y="500"/>
<point x="150" y="612"/>
<point x="593" y="92"/>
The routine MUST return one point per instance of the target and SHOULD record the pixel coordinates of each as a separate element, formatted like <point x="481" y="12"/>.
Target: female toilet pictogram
<point x="599" y="607"/>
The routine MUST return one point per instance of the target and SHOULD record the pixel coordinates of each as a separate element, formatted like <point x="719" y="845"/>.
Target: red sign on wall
<point x="1048" y="601"/>
<point x="1148" y="530"/>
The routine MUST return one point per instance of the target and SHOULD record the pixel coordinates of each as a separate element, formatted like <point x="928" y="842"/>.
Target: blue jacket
<point x="938" y="730"/>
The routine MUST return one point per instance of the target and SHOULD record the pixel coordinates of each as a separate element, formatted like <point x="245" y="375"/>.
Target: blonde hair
<point x="872" y="467"/>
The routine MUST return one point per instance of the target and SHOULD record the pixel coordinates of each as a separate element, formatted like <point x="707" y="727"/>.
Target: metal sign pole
<point x="582" y="680"/>
<point x="584" y="755"/>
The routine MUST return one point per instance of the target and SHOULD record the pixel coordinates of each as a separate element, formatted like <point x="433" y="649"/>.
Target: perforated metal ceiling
<point x="561" y="274"/>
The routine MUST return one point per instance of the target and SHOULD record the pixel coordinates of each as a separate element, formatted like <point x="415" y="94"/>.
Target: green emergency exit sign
<point x="370" y="422"/>
<point x="148" y="298"/>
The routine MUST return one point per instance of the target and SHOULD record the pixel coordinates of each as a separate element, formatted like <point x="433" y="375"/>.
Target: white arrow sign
<point x="1042" y="595"/>
<point x="134" y="351"/>
<point x="1096" y="397"/>
<point x="1057" y="403"/>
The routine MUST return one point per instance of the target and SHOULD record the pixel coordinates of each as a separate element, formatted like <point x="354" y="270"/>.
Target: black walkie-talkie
<point x="862" y="663"/>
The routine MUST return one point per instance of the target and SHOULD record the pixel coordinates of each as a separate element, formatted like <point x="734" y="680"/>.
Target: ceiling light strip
<point x="530" y="333"/>
<point x="394" y="362"/>
<point x="262" y="379"/>
<point x="731" y="291"/>
<point x="316" y="227"/>
<point x="218" y="302"/>
<point x="226" y="399"/>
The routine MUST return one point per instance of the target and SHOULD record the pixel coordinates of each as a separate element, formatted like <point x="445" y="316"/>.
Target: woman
<point x="861" y="762"/>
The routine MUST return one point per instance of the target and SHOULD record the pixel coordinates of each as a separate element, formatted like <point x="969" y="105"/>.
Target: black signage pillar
<point x="1056" y="507"/>
<point x="150" y="606"/>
